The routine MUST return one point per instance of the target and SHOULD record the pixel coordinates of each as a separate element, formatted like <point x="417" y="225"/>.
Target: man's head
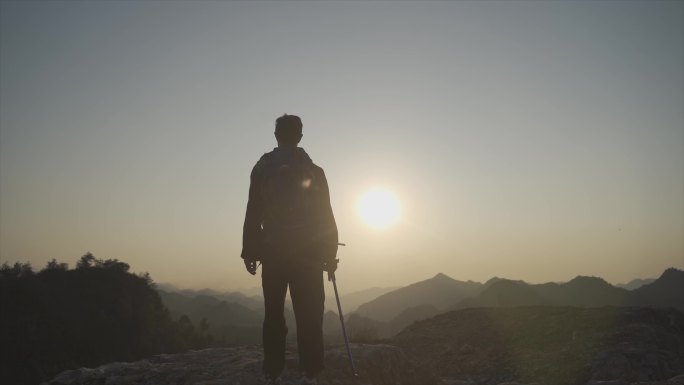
<point x="288" y="130"/>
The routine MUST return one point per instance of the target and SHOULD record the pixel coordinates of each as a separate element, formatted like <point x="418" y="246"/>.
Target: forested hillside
<point x="99" y="312"/>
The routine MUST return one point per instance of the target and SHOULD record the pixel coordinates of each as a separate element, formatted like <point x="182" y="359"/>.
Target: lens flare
<point x="379" y="208"/>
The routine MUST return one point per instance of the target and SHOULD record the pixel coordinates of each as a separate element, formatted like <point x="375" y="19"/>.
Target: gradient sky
<point x="529" y="140"/>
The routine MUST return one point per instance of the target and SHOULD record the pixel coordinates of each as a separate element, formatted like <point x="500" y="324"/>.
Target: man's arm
<point x="328" y="236"/>
<point x="251" y="231"/>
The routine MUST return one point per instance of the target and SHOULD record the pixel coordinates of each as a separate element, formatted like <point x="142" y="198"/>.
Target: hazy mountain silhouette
<point x="254" y="291"/>
<point x="220" y="311"/>
<point x="205" y="291"/>
<point x="234" y="323"/>
<point x="231" y="322"/>
<point x="236" y="318"/>
<point x="445" y="293"/>
<point x="549" y="345"/>
<point x="583" y="291"/>
<point x="389" y="313"/>
<point x="411" y="315"/>
<point x="504" y="292"/>
<point x="439" y="291"/>
<point x="667" y="290"/>
<point x="253" y="302"/>
<point x="494" y="280"/>
<point x="635" y="283"/>
<point x="351" y="301"/>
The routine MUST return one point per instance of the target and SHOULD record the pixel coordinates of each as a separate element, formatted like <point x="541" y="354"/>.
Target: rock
<point x="606" y="382"/>
<point x="453" y="381"/>
<point x="677" y="380"/>
<point x="376" y="364"/>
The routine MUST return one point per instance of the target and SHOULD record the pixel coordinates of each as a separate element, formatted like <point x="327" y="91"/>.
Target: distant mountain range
<point x="233" y="318"/>
<point x="666" y="291"/>
<point x="383" y="312"/>
<point x="635" y="283"/>
<point x="352" y="301"/>
<point x="254" y="300"/>
<point x="236" y="318"/>
<point x="439" y="291"/>
<point x="399" y="308"/>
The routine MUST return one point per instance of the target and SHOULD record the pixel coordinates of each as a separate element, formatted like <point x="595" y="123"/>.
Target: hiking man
<point x="290" y="228"/>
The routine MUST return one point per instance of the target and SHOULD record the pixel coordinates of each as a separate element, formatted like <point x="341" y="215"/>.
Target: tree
<point x="86" y="261"/>
<point x="114" y="264"/>
<point x="17" y="270"/>
<point x="54" y="265"/>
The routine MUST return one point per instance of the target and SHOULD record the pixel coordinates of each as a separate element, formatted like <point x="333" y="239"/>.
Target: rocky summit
<point x="376" y="365"/>
<point x="484" y="346"/>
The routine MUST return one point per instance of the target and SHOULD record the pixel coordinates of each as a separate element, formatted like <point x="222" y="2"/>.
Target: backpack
<point x="291" y="215"/>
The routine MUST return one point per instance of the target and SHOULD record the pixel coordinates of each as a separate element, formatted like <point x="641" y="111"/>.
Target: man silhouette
<point x="290" y="228"/>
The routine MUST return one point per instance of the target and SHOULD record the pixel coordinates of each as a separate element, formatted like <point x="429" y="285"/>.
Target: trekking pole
<point x="344" y="330"/>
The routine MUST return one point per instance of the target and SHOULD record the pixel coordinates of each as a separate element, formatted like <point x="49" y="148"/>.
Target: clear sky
<point x="524" y="139"/>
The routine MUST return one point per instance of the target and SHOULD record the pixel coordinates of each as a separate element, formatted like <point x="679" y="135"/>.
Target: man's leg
<point x="308" y="297"/>
<point x="274" y="283"/>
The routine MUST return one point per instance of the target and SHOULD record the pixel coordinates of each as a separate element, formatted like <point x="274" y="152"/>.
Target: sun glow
<point x="378" y="208"/>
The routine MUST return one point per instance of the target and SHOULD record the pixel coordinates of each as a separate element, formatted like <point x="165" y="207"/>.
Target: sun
<point x="378" y="208"/>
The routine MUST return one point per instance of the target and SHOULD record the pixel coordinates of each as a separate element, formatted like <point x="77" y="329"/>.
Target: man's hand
<point x="330" y="266"/>
<point x="251" y="267"/>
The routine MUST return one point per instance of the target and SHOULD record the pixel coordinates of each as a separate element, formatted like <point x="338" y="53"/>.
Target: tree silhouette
<point x="54" y="265"/>
<point x="61" y="318"/>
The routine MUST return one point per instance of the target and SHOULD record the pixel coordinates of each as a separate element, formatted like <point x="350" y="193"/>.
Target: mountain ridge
<point x="445" y="293"/>
<point x="635" y="283"/>
<point x="582" y="291"/>
<point x="438" y="291"/>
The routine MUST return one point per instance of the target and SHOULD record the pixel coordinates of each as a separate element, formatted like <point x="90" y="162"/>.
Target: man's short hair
<point x="288" y="129"/>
